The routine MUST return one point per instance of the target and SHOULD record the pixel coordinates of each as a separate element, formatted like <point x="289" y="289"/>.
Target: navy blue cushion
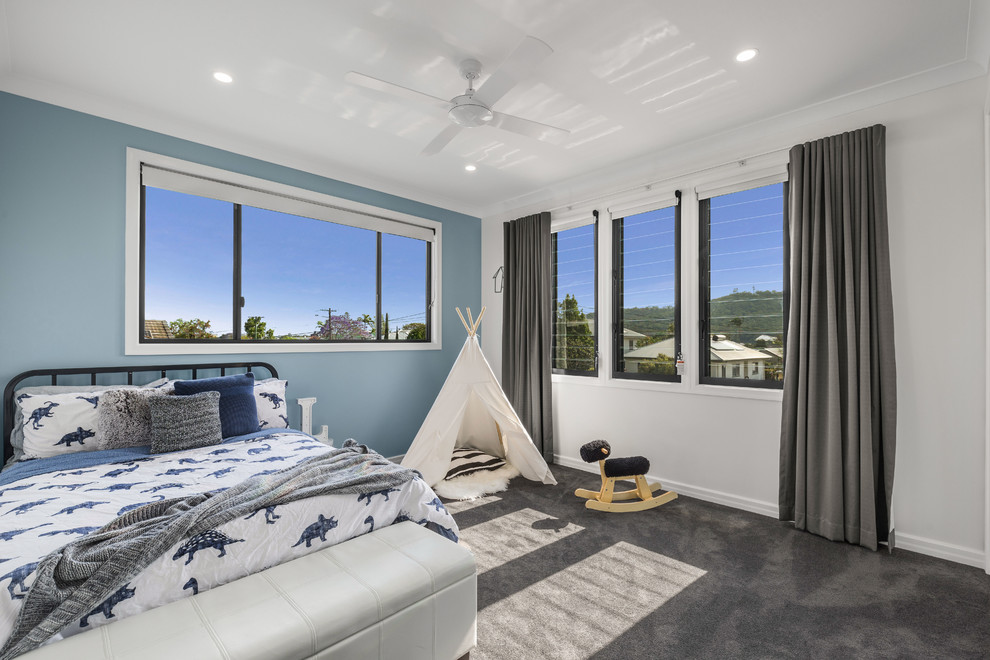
<point x="238" y="410"/>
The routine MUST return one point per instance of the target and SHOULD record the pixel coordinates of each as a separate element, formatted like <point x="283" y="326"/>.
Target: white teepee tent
<point x="473" y="411"/>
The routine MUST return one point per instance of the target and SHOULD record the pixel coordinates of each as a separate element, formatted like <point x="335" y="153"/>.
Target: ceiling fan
<point x="473" y="108"/>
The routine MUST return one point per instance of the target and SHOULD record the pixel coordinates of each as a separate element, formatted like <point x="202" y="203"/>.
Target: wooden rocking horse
<point x="619" y="469"/>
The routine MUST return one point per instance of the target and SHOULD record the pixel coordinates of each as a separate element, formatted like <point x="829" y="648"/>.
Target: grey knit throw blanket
<point x="75" y="579"/>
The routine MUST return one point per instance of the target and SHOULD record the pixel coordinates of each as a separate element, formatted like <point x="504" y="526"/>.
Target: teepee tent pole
<point x="466" y="326"/>
<point x="477" y="322"/>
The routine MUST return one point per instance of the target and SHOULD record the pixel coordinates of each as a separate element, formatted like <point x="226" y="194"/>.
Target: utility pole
<point x="329" y="311"/>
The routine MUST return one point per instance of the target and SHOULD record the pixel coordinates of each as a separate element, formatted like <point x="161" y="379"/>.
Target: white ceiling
<point x="628" y="78"/>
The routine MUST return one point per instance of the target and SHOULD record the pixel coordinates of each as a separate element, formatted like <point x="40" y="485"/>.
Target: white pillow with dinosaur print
<point x="59" y="423"/>
<point x="23" y="393"/>
<point x="273" y="412"/>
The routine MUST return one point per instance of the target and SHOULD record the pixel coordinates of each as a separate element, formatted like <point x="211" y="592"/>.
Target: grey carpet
<point x="692" y="579"/>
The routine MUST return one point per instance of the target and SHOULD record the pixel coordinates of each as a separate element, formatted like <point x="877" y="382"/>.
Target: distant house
<point x="727" y="359"/>
<point x="156" y="330"/>
<point x="629" y="339"/>
<point x="767" y="338"/>
<point x="634" y="358"/>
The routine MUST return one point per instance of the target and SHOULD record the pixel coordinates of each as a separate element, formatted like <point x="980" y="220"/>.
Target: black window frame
<point x="595" y="325"/>
<point x="704" y="292"/>
<point x="617" y="300"/>
<point x="239" y="301"/>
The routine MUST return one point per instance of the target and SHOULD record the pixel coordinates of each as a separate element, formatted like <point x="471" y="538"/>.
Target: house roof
<point x="154" y="329"/>
<point x="720" y="351"/>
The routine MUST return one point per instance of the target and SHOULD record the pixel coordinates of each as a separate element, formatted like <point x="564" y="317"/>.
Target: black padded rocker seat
<point x="614" y="469"/>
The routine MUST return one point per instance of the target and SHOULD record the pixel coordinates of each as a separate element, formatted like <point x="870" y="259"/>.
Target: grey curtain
<point x="527" y="318"/>
<point x="838" y="427"/>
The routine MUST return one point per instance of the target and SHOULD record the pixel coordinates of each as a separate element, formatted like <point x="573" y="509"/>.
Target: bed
<point x="296" y="496"/>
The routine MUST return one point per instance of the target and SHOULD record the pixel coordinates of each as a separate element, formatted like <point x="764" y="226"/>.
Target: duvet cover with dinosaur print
<point x="48" y="502"/>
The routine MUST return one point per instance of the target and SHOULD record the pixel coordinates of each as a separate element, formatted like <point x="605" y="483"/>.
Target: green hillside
<point x="741" y="316"/>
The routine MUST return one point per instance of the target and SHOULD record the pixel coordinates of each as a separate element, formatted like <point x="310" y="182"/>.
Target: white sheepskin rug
<point x="477" y="484"/>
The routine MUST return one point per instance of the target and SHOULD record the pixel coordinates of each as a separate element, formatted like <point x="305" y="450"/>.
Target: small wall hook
<point x="499" y="283"/>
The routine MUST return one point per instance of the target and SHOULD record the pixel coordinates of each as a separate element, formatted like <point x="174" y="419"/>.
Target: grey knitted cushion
<point x="185" y="422"/>
<point x="124" y="418"/>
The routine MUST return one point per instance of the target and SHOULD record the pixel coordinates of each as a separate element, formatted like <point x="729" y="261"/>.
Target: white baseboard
<point x="940" y="549"/>
<point x="706" y="494"/>
<point x="930" y="547"/>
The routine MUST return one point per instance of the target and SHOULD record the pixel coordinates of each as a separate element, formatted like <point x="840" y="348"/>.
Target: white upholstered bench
<point x="399" y="592"/>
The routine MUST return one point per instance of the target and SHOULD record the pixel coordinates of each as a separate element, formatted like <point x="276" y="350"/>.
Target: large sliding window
<point x="743" y="256"/>
<point x="575" y="329"/>
<point x="646" y="292"/>
<point x="227" y="263"/>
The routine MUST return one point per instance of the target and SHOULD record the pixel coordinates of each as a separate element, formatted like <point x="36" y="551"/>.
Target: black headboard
<point x="160" y="371"/>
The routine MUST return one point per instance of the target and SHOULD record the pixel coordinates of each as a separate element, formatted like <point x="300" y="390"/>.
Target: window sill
<point x="726" y="391"/>
<point x="134" y="348"/>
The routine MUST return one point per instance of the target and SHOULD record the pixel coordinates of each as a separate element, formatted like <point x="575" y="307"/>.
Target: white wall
<point x="936" y="215"/>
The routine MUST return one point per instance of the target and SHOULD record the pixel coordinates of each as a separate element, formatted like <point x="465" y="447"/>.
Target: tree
<point x="341" y="327"/>
<point x="660" y="365"/>
<point x="415" y="331"/>
<point x="369" y="321"/>
<point x="575" y="348"/>
<point x="191" y="329"/>
<point x="255" y="328"/>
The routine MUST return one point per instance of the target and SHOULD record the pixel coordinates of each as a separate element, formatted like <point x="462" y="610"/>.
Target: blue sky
<point x="746" y="251"/>
<point x="747" y="241"/>
<point x="293" y="267"/>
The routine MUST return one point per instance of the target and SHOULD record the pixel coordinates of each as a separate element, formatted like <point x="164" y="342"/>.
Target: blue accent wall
<point x="62" y="180"/>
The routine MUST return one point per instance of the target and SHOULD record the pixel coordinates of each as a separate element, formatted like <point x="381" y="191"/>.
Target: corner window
<point x="742" y="258"/>
<point x="575" y="345"/>
<point x="226" y="260"/>
<point x="646" y="294"/>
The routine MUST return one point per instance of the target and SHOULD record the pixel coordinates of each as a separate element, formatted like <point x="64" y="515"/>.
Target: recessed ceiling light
<point x="223" y="77"/>
<point x="470" y="168"/>
<point x="746" y="55"/>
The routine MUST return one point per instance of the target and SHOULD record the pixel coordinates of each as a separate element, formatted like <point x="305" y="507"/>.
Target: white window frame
<point x="740" y="175"/>
<point x="626" y="208"/>
<point x="727" y="186"/>
<point x="360" y="213"/>
<point x="572" y="220"/>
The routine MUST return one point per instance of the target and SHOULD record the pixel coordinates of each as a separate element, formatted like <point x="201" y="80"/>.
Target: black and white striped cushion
<point x="465" y="460"/>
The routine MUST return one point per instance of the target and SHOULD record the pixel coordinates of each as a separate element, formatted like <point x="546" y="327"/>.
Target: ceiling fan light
<point x="468" y="112"/>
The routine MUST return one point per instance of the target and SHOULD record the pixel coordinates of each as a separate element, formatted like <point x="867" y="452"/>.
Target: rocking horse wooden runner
<point x="620" y="469"/>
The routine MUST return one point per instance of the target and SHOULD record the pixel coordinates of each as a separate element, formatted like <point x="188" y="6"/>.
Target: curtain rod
<point x="740" y="161"/>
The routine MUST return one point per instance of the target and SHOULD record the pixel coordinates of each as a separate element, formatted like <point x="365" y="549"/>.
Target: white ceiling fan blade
<point x="377" y="85"/>
<point x="532" y="129"/>
<point x="518" y="66"/>
<point x="441" y="140"/>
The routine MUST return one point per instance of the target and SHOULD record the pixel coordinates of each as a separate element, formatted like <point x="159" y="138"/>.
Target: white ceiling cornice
<point x="640" y="85"/>
<point x="556" y="195"/>
<point x="140" y="118"/>
<point x="740" y="143"/>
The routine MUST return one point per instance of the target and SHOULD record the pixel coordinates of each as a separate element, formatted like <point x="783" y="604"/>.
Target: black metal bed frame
<point x="92" y="372"/>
